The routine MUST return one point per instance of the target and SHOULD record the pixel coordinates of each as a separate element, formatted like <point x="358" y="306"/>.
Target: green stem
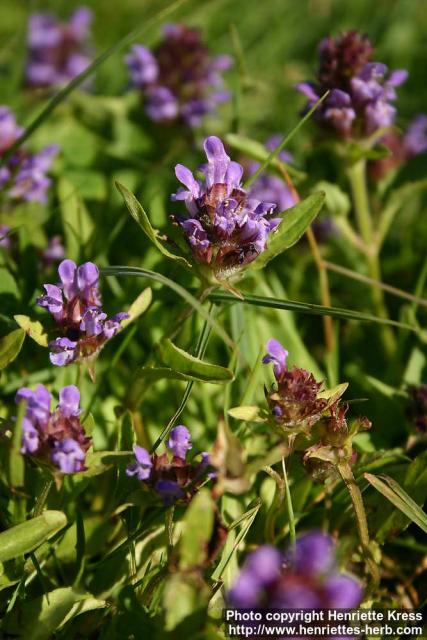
<point x="356" y="173"/>
<point x="346" y="474"/>
<point x="291" y="516"/>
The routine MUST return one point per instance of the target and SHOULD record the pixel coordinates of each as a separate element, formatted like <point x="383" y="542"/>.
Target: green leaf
<point x="99" y="462"/>
<point x="185" y="596"/>
<point x="29" y="535"/>
<point x="138" y="306"/>
<point x="336" y="201"/>
<point x="8" y="283"/>
<point x="391" y="490"/>
<point x="34" y="329"/>
<point x="198" y="527"/>
<point x="153" y="374"/>
<point x="294" y="223"/>
<point x="10" y="346"/>
<point x="247" y="414"/>
<point x="137" y="212"/>
<point x="334" y="394"/>
<point x="189" y="365"/>
<point x="41" y="617"/>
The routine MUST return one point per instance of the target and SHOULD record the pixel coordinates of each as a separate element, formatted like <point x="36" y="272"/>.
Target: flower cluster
<point x="269" y="188"/>
<point x="55" y="437"/>
<point x="172" y="479"/>
<point x="295" y="401"/>
<point x="225" y="227"/>
<point x="57" y="52"/>
<point x="76" y="306"/>
<point x="23" y="177"/>
<point x="417" y="411"/>
<point x="179" y="79"/>
<point x="362" y="92"/>
<point x="305" y="577"/>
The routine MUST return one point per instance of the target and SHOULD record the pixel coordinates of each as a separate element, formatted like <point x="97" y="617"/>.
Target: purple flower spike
<point x="226" y="228"/>
<point x="266" y="581"/>
<point x="75" y="304"/>
<point x="277" y="355"/>
<point x="57" y="52"/>
<point x="361" y="91"/>
<point x="179" y="441"/>
<point x="178" y="80"/>
<point x="142" y="468"/>
<point x="56" y="437"/>
<point x="171" y="479"/>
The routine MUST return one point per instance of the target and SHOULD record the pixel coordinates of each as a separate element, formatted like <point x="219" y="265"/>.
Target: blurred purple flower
<point x="57" y="52"/>
<point x="179" y="80"/>
<point x="23" y="176"/>
<point x="76" y="306"/>
<point x="226" y="228"/>
<point x="304" y="577"/>
<point x="55" y="436"/>
<point x="417" y="409"/>
<point x="361" y="91"/>
<point x="415" y="138"/>
<point x="54" y="251"/>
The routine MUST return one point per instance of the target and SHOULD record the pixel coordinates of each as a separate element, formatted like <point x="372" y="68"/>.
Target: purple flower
<point x="294" y="401"/>
<point x="361" y="91"/>
<point x="56" y="436"/>
<point x="415" y="139"/>
<point x="142" y="66"/>
<point x="68" y="456"/>
<point x="169" y="491"/>
<point x="178" y="79"/>
<point x="54" y="251"/>
<point x="142" y="467"/>
<point x="225" y="227"/>
<point x="179" y="441"/>
<point x="305" y="577"/>
<point x="277" y="355"/>
<point x="24" y="175"/>
<point x="57" y="52"/>
<point x="173" y="478"/>
<point x="75" y="304"/>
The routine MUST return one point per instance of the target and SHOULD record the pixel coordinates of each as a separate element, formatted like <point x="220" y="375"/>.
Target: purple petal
<point x="276" y="354"/>
<point x="343" y="592"/>
<point x="186" y="177"/>
<point x="179" y="441"/>
<point x="218" y="161"/>
<point x="69" y="401"/>
<point x="68" y="456"/>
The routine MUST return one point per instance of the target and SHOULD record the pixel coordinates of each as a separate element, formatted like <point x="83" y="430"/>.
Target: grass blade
<point x="391" y="490"/>
<point x="308" y="308"/>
